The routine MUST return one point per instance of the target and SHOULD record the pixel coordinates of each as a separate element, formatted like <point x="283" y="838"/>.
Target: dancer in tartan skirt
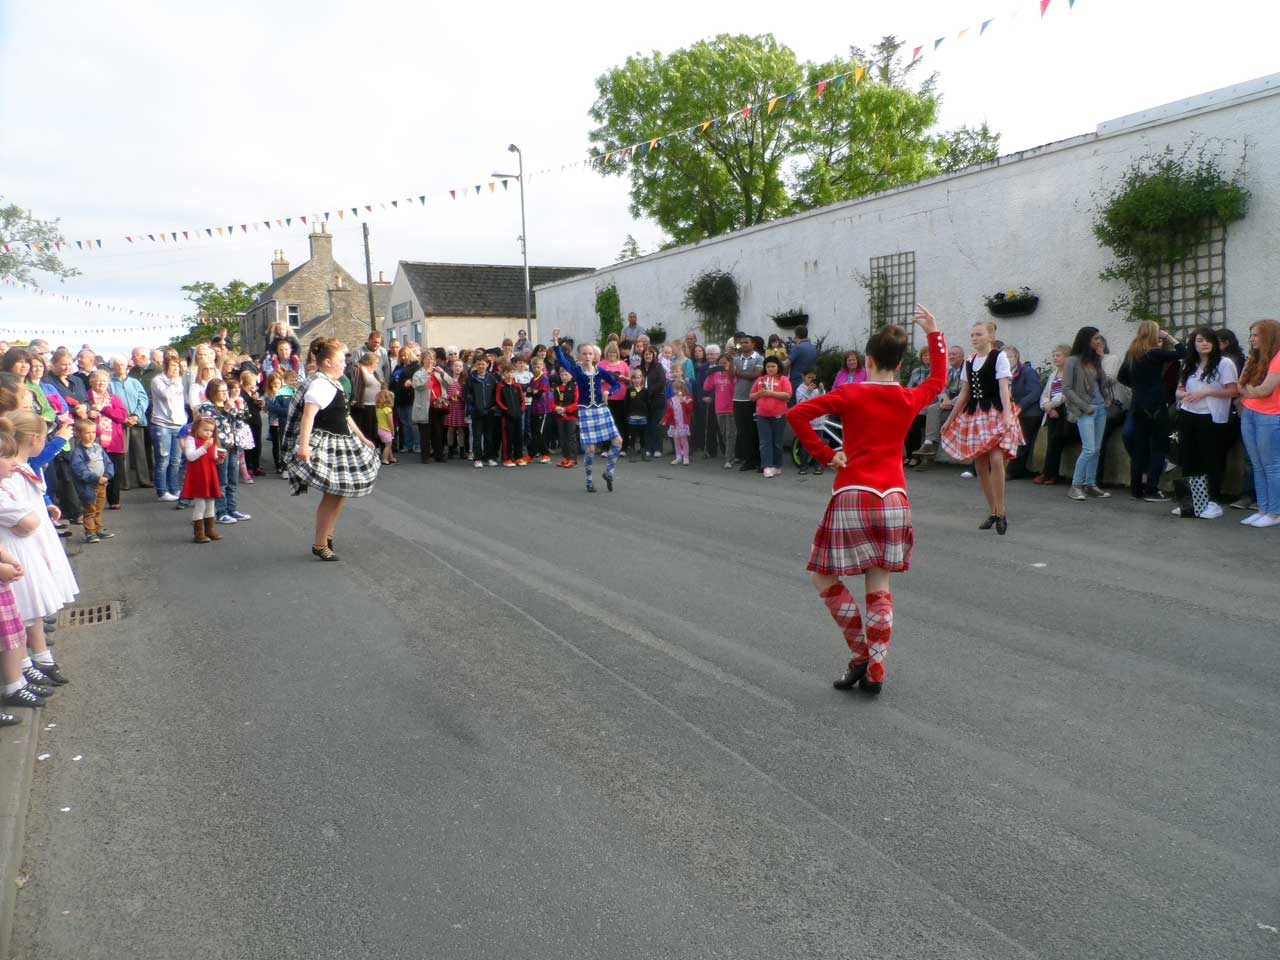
<point x="867" y="525"/>
<point x="595" y="422"/>
<point x="331" y="453"/>
<point x="983" y="426"/>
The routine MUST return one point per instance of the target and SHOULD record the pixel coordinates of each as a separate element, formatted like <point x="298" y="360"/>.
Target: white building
<point x="1024" y="219"/>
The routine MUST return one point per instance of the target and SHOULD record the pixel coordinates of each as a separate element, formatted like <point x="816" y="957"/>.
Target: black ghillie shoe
<point x="8" y="720"/>
<point x="849" y="679"/>
<point x="329" y="543"/>
<point x="324" y="553"/>
<point x="591" y="488"/>
<point x="988" y="523"/>
<point x="22" y="698"/>
<point x="870" y="687"/>
<point x="608" y="481"/>
<point x="52" y="675"/>
<point x="1002" y="526"/>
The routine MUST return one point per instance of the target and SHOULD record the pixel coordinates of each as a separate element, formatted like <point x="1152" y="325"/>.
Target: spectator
<point x="632" y="330"/>
<point x="1143" y="372"/>
<point x="168" y="417"/>
<point x="111" y="420"/>
<point x="254" y="404"/>
<point x="1086" y="392"/>
<point x="280" y="331"/>
<point x="219" y="408"/>
<point x="1206" y="388"/>
<point x="1260" y="421"/>
<point x="802" y="358"/>
<point x="366" y="383"/>
<point x="402" y="389"/>
<point x="1024" y="388"/>
<point x="772" y="394"/>
<point x="522" y="342"/>
<point x="430" y="407"/>
<point x="1230" y="346"/>
<point x="938" y="411"/>
<point x="776" y="348"/>
<point x="655" y="380"/>
<point x="851" y="372"/>
<point x="204" y="375"/>
<point x="747" y="365"/>
<point x="1056" y="424"/>
<point x="382" y="363"/>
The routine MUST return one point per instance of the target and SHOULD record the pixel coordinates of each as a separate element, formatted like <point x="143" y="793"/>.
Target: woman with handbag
<point x="1143" y="372"/>
<point x="1206" y="389"/>
<point x="430" y="406"/>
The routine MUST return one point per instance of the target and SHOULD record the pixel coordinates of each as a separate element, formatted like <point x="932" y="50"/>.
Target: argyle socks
<point x="879" y="630"/>
<point x="613" y="459"/>
<point x="588" y="460"/>
<point x="844" y="611"/>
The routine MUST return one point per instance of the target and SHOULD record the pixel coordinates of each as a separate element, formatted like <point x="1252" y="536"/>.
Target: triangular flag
<point x="772" y="103"/>
<point x="341" y="214"/>
<point x="746" y="112"/>
<point x="369" y="207"/>
<point x="78" y="246"/>
<point x="858" y="74"/>
<point x="396" y="204"/>
<point x="477" y="188"/>
<point x="960" y="35"/>
<point x="504" y="185"/>
<point x="822" y="85"/>
<point x="152" y="237"/>
<point x="279" y="223"/>
<point x="231" y="228"/>
<point x="715" y="124"/>
<point x="244" y="227"/>
<point x="1071" y="4"/>
<point x="453" y="194"/>
<point x="985" y="24"/>
<point x="915" y="54"/>
<point x="99" y="242"/>
<point x="267" y="224"/>
<point x="492" y="186"/>
<point x="655" y="143"/>
<point x="326" y="216"/>
<point x="209" y="231"/>
<point x="705" y="124"/>
<point x="303" y="218"/>
<point x="175" y="237"/>
<point x="838" y="82"/>
<point x="937" y="43"/>
<point x="256" y="228"/>
<point x="288" y="221"/>
<point x="1044" y="5"/>
<point x="422" y="200"/>
<point x="184" y="235"/>
<point x="790" y="97"/>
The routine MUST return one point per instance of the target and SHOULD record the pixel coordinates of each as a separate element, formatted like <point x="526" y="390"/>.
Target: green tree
<point x="216" y="308"/>
<point x="724" y="178"/>
<point x="966" y="146"/>
<point x="18" y="228"/>
<point x="630" y="250"/>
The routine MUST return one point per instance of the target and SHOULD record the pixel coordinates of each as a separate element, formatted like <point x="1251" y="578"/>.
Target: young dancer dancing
<point x="867" y="525"/>
<point x="595" y="422"/>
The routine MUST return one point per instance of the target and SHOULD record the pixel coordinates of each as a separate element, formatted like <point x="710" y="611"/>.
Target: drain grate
<point x="91" y="614"/>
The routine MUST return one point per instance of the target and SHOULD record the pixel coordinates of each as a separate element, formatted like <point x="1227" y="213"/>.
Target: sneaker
<point x="1077" y="493"/>
<point x="928" y="450"/>
<point x="675" y="462"/>
<point x="508" y="463"/>
<point x="91" y="538"/>
<point x="545" y="459"/>
<point x="817" y="471"/>
<point x="728" y="464"/>
<point x="246" y="479"/>
<point x="491" y="463"/>
<point x="226" y="518"/>
<point x="1245" y="503"/>
<point x="168" y="497"/>
<point x="105" y="534"/>
<point x="1251" y="519"/>
<point x="240" y="516"/>
<point x="804" y="471"/>
<point x="1211" y="511"/>
<point x="522" y="462"/>
<point x="968" y="474"/>
<point x="1096" y="492"/>
<point x="1268" y="520"/>
<point x="1157" y="497"/>
<point x="479" y="464"/>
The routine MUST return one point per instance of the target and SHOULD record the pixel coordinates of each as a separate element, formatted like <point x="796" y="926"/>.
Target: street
<point x="522" y="721"/>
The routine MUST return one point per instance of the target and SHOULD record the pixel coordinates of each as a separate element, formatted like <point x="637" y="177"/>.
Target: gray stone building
<point x="318" y="298"/>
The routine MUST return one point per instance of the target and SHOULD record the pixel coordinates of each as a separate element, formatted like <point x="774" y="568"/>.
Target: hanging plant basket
<point x="657" y="335"/>
<point x="1021" y="307"/>
<point x="791" y="319"/>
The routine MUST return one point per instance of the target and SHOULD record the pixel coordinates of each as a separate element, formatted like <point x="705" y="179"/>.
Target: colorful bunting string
<point x="175" y="320"/>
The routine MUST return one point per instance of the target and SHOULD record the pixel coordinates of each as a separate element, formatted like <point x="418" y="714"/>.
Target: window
<point x="417" y="332"/>
<point x="891" y="291"/>
<point x="295" y="319"/>
<point x="1192" y="293"/>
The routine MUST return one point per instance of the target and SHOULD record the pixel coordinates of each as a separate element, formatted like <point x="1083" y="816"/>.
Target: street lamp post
<point x="524" y="232"/>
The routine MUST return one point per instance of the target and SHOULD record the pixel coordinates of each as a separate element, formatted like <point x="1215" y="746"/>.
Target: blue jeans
<point x="1092" y="426"/>
<point x="408" y="429"/>
<point x="228" y="479"/>
<point x="168" y="459"/>
<point x="770" y="431"/>
<point x="1261" y="433"/>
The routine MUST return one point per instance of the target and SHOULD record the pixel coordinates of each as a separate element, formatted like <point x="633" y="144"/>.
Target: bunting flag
<point x="937" y="43"/>
<point x="985" y="24"/>
<point x="1044" y="5"/>
<point x="175" y="322"/>
<point x="858" y="74"/>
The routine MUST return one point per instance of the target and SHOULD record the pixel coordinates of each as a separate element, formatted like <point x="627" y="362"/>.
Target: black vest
<point x="984" y="389"/>
<point x="333" y="418"/>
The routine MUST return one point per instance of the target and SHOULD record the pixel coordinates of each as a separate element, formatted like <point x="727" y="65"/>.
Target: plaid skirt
<point x="13" y="635"/>
<point x="595" y="425"/>
<point x="340" y="464"/>
<point x="861" y="530"/>
<point x="970" y="435"/>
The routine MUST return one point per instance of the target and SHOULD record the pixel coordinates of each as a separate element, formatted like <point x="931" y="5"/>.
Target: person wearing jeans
<point x="1086" y="393"/>
<point x="168" y="416"/>
<point x="1260" y="420"/>
<point x="771" y="393"/>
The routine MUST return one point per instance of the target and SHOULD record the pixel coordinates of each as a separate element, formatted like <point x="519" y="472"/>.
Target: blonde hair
<point x="989" y="324"/>
<point x="611" y="351"/>
<point x="1144" y="340"/>
<point x="199" y="420"/>
<point x="592" y="349"/>
<point x="22" y="423"/>
<point x="385" y="398"/>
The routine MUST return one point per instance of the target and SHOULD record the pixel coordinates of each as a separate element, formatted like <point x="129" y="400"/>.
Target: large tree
<point x="216" y="308"/>
<point x="33" y="246"/>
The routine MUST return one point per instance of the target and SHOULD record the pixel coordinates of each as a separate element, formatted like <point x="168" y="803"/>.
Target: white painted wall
<point x="1023" y="220"/>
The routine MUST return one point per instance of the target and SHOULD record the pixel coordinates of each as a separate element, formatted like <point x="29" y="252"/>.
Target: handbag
<point x="244" y="437"/>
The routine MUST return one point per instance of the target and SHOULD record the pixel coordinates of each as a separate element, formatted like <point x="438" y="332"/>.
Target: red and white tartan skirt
<point x="13" y="635"/>
<point x="861" y="530"/>
<point x="970" y="435"/>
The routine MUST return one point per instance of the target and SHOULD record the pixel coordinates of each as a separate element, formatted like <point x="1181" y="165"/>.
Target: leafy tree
<point x="19" y="228"/>
<point x="966" y="146"/>
<point x="216" y="308"/>
<point x="630" y="250"/>
<point x="724" y="178"/>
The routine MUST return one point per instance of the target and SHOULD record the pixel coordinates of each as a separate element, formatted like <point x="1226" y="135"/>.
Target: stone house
<point x="467" y="304"/>
<point x="318" y="298"/>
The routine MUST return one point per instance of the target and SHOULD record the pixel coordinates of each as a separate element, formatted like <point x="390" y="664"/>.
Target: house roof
<point x="477" y="289"/>
<point x="270" y="291"/>
<point x="381" y="299"/>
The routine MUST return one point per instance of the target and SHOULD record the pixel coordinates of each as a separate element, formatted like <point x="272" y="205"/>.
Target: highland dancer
<point x="595" y="422"/>
<point x="867" y="526"/>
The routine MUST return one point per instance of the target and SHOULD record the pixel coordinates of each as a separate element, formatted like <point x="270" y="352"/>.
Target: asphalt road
<point x="521" y="721"/>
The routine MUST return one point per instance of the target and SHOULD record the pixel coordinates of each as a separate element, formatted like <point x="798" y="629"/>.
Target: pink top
<point x="842" y="377"/>
<point x="771" y="406"/>
<point x="721" y="384"/>
<point x="1269" y="404"/>
<point x="620" y="369"/>
<point x="110" y="421"/>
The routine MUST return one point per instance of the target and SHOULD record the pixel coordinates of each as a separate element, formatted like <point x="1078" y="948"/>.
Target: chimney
<point x="279" y="265"/>
<point x="381" y="278"/>
<point x="340" y="300"/>
<point x="321" y="246"/>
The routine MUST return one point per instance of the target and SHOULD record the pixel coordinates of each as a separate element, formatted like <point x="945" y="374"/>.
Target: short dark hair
<point x="887" y="347"/>
<point x="801" y="332"/>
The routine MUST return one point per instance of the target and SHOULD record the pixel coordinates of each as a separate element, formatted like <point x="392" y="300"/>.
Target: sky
<point x="139" y="117"/>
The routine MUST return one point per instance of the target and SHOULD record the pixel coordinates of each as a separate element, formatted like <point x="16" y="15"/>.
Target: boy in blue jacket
<point x="92" y="469"/>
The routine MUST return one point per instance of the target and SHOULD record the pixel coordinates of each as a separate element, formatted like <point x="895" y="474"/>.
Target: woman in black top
<point x="655" y="381"/>
<point x="1143" y="372"/>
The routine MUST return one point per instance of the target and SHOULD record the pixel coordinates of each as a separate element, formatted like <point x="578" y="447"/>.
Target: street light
<point x="524" y="246"/>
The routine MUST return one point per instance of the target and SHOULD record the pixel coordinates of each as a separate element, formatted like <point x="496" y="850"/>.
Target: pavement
<point x="519" y="720"/>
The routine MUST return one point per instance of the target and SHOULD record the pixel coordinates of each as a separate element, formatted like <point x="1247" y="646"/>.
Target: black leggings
<point x="1203" y="446"/>
<point x="1061" y="432"/>
<point x="1150" y="445"/>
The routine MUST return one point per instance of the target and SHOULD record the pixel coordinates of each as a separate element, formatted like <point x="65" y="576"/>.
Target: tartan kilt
<point x="595" y="425"/>
<point x="13" y="635"/>
<point x="340" y="464"/>
<point x="861" y="530"/>
<point x="971" y="435"/>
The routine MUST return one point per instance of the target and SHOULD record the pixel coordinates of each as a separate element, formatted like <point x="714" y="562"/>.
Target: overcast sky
<point x="137" y="117"/>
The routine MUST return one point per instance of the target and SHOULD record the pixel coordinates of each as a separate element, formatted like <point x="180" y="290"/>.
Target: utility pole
<point x="368" y="278"/>
<point x="524" y="235"/>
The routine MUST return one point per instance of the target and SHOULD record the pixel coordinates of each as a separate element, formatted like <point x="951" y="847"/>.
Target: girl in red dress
<point x="200" y="447"/>
<point x="867" y="526"/>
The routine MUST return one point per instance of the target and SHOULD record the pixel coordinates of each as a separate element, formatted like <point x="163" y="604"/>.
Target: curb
<point x="17" y="754"/>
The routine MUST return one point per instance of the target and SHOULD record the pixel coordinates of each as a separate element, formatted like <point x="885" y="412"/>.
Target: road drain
<point x="91" y="614"/>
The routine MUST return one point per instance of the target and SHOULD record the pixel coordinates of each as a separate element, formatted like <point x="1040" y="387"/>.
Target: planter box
<point x="1014" y="308"/>
<point x="656" y="336"/>
<point x="791" y="322"/>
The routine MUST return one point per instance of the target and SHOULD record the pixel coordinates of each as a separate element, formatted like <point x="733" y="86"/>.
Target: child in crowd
<point x="93" y="470"/>
<point x="539" y="402"/>
<point x="278" y="396"/>
<point x="565" y="405"/>
<point x="201" y="486"/>
<point x="253" y="404"/>
<point x="13" y="638"/>
<point x="636" y="407"/>
<point x="666" y="357"/>
<point x="808" y="389"/>
<point x="455" y="421"/>
<point x="510" y="400"/>
<point x="677" y="418"/>
<point x="481" y="387"/>
<point x="218" y="406"/>
<point x="244" y="436"/>
<point x="384" y="411"/>
<point x="28" y="534"/>
<point x="721" y="383"/>
<point x="771" y="392"/>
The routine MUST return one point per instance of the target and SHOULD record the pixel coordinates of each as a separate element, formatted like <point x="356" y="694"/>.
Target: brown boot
<point x="209" y="530"/>
<point x="199" y="528"/>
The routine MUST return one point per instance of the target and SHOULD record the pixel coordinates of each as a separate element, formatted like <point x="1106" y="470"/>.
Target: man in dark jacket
<point x="1024" y="390"/>
<point x="480" y="395"/>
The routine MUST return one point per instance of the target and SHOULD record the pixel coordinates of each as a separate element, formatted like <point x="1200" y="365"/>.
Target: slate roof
<point x="477" y="289"/>
<point x="270" y="291"/>
<point x="381" y="300"/>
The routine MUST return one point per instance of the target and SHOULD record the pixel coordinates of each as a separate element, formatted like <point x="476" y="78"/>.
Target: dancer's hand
<point x="304" y="452"/>
<point x="924" y="319"/>
<point x="840" y="460"/>
<point x="555" y="335"/>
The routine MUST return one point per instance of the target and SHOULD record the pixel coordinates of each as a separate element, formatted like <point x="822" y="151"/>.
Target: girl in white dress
<point x="27" y="531"/>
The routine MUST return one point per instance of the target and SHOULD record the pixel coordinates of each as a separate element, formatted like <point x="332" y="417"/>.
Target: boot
<point x="198" y="526"/>
<point x="210" y="530"/>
